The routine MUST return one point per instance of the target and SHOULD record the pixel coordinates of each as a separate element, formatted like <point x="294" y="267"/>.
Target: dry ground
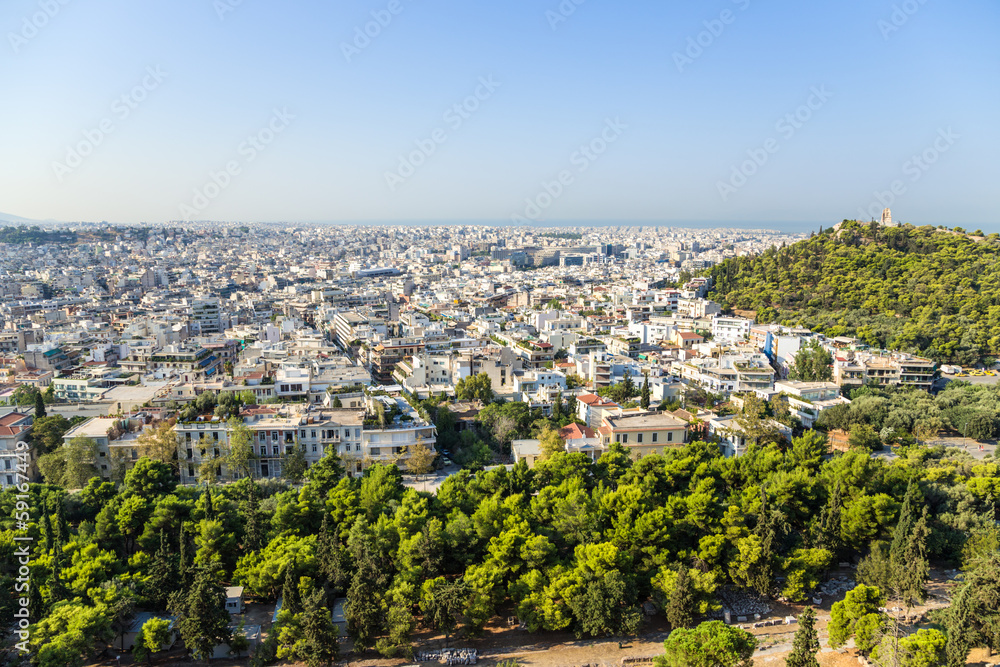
<point x="501" y="642"/>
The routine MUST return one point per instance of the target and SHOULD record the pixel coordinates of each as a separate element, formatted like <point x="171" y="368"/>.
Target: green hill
<point x="924" y="290"/>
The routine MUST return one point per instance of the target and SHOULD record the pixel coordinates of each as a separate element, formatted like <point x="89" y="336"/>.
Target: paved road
<point x="977" y="450"/>
<point x="430" y="483"/>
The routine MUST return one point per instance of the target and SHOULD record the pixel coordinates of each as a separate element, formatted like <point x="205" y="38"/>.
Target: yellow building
<point x="643" y="434"/>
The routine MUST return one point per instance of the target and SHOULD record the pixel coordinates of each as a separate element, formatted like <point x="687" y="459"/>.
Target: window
<point x="624" y="438"/>
<point x="102" y="453"/>
<point x="314" y="448"/>
<point x="216" y="451"/>
<point x="302" y="433"/>
<point x="347" y="433"/>
<point x="638" y="438"/>
<point x="357" y="433"/>
<point x="655" y="434"/>
<point x="10" y="480"/>
<point x="274" y="450"/>
<point x="670" y="436"/>
<point x="190" y="470"/>
<point x="312" y="434"/>
<point x="375" y="451"/>
<point x="6" y="464"/>
<point x="618" y="437"/>
<point x="135" y="453"/>
<point x="215" y="436"/>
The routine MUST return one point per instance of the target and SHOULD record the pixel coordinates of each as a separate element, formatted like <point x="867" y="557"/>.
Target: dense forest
<point x="34" y="234"/>
<point x="569" y="545"/>
<point x="925" y="290"/>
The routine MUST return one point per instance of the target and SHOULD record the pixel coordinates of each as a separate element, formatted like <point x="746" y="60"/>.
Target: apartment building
<point x="358" y="436"/>
<point x="725" y="429"/>
<point x="896" y="368"/>
<point x="807" y="400"/>
<point x="386" y="355"/>
<point x="206" y="318"/>
<point x="115" y="441"/>
<point x="728" y="373"/>
<point x="192" y="363"/>
<point x="16" y="453"/>
<point x="731" y="329"/>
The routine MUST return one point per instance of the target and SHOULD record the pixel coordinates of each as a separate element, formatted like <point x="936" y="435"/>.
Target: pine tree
<point x="557" y="407"/>
<point x="805" y="645"/>
<point x="290" y="591"/>
<point x="644" y="395"/>
<point x="681" y="603"/>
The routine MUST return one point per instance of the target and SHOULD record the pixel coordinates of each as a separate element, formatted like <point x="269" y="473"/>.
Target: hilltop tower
<point x="886" y="218"/>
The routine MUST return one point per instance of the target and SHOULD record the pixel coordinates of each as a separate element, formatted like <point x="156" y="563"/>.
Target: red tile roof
<point x="575" y="432"/>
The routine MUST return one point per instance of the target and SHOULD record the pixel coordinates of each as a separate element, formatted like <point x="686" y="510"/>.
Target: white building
<point x="807" y="400"/>
<point x="731" y="329"/>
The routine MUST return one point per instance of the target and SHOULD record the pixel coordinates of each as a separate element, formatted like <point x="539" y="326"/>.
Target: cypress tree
<point x="681" y="607"/>
<point x="209" y="509"/>
<point x="319" y="636"/>
<point x="47" y="536"/>
<point x="203" y="621"/>
<point x="805" y="645"/>
<point x="182" y="565"/>
<point x="39" y="405"/>
<point x="162" y="574"/>
<point x="61" y="527"/>
<point x="290" y="591"/>
<point x="644" y="400"/>
<point x="255" y="533"/>
<point x="328" y="558"/>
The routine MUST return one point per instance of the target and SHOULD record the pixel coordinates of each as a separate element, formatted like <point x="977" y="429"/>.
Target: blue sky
<point x="639" y="111"/>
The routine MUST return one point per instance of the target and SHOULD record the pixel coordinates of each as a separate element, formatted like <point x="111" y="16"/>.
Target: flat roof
<point x="638" y="422"/>
<point x="95" y="427"/>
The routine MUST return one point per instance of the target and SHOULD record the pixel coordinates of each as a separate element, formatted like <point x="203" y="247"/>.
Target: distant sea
<point x="784" y="226"/>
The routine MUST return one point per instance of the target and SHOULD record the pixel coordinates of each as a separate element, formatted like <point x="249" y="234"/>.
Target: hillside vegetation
<point x="924" y="290"/>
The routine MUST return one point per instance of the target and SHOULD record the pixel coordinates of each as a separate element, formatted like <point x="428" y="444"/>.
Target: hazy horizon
<point x="732" y="112"/>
